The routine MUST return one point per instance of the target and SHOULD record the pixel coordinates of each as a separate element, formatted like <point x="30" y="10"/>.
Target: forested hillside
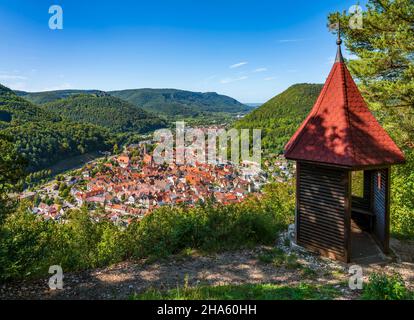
<point x="43" y="138"/>
<point x="172" y="102"/>
<point x="44" y="143"/>
<point x="281" y="116"/>
<point x="110" y="112"/>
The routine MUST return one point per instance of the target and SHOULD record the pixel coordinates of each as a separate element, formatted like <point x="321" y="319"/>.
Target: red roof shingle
<point x="341" y="130"/>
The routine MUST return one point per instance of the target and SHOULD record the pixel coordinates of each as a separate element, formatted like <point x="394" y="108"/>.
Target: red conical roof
<point x="340" y="129"/>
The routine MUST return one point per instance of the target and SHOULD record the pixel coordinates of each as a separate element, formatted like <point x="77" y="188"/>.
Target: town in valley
<point x="129" y="185"/>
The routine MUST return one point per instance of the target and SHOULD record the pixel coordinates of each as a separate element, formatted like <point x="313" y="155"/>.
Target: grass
<point x="309" y="273"/>
<point x="244" y="292"/>
<point x="278" y="258"/>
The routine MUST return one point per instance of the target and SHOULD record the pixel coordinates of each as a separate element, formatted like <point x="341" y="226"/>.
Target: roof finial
<point x="339" y="40"/>
<point x="339" y="57"/>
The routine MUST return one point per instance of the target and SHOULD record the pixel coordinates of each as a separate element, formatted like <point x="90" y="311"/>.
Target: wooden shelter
<point x="340" y="135"/>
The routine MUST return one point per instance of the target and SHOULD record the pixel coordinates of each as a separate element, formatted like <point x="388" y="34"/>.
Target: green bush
<point x="29" y="245"/>
<point x="384" y="287"/>
<point x="402" y="199"/>
<point x="214" y="227"/>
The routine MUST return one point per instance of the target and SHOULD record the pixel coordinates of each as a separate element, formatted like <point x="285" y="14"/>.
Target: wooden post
<point x="387" y="209"/>
<point x="347" y="215"/>
<point x="297" y="201"/>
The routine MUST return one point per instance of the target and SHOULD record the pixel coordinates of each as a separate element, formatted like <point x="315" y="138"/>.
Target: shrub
<point x="402" y="199"/>
<point x="384" y="287"/>
<point x="29" y="245"/>
<point x="24" y="246"/>
<point x="208" y="228"/>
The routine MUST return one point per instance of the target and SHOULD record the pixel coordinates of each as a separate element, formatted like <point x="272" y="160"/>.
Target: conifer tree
<point x="384" y="64"/>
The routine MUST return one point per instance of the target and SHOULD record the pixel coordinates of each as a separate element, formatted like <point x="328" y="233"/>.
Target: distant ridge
<point x="173" y="102"/>
<point x="254" y="104"/>
<point x="166" y="102"/>
<point x="49" y="96"/>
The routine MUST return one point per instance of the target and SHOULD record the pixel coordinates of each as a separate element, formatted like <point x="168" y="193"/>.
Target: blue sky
<point x="250" y="50"/>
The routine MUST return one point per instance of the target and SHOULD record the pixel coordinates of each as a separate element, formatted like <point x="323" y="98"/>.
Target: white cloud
<point x="12" y="77"/>
<point x="210" y="78"/>
<point x="260" y="70"/>
<point x="22" y="86"/>
<point x="63" y="86"/>
<point x="269" y="78"/>
<point x="237" y="65"/>
<point x="289" y="40"/>
<point x="229" y="80"/>
<point x="13" y="80"/>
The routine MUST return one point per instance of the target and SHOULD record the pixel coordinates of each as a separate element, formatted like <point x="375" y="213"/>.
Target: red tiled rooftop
<point x="341" y="130"/>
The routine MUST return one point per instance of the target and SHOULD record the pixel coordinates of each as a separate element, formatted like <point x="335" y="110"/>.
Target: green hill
<point x="281" y="116"/>
<point x="104" y="110"/>
<point x="172" y="102"/>
<point x="42" y="137"/>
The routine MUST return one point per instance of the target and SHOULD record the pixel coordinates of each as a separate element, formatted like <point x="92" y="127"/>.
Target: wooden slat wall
<point x="321" y="209"/>
<point x="367" y="189"/>
<point x="380" y="207"/>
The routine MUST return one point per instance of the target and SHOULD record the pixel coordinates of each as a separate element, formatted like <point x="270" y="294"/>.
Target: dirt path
<point x="236" y="267"/>
<point x="121" y="280"/>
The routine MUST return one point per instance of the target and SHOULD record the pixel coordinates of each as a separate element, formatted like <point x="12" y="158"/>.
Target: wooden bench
<point x="366" y="213"/>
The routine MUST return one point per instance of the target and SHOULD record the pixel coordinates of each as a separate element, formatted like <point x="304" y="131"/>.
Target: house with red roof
<point x="123" y="161"/>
